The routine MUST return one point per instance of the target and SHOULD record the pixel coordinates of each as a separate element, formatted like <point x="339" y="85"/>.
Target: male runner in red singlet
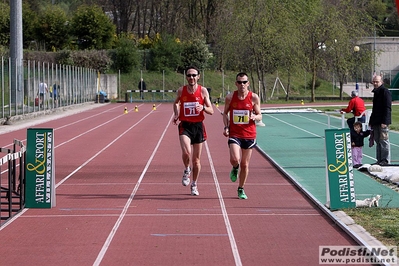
<point x="241" y="110"/>
<point x="191" y="102"/>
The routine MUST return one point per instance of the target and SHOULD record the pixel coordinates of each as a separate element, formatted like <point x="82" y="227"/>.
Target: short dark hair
<point x="241" y="74"/>
<point x="192" y="67"/>
<point x="357" y="123"/>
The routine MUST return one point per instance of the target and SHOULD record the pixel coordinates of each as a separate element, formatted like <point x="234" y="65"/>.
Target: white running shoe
<point x="194" y="190"/>
<point x="186" y="177"/>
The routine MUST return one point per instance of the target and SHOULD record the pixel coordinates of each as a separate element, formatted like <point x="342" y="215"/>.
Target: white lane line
<point x="282" y="121"/>
<point x="365" y="155"/>
<point x="169" y="215"/>
<point x="6" y="170"/>
<point x="315" y="121"/>
<point x="8" y="222"/>
<point x="126" y="207"/>
<point x="233" y="243"/>
<point x="100" y="151"/>
<point x="165" y="235"/>
<point x="66" y="125"/>
<point x="86" y="118"/>
<point x="96" y="127"/>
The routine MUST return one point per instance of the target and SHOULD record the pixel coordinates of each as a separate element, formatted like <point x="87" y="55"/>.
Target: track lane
<point x="163" y="223"/>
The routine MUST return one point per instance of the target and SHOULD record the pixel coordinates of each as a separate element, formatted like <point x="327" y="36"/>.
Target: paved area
<point x="340" y="217"/>
<point x="363" y="91"/>
<point x="32" y="119"/>
<point x="120" y="201"/>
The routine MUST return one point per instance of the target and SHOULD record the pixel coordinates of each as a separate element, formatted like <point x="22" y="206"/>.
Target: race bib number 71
<point x="189" y="109"/>
<point x="241" y="116"/>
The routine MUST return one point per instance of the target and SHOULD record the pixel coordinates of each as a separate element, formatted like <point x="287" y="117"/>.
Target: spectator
<point x="142" y="87"/>
<point x="54" y="94"/>
<point x="357" y="107"/>
<point x="357" y="141"/>
<point x="43" y="89"/>
<point x="380" y="120"/>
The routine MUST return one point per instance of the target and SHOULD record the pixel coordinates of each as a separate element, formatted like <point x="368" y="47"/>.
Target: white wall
<point x="109" y="84"/>
<point x="387" y="52"/>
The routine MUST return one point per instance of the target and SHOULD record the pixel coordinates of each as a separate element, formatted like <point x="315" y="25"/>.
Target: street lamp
<point x="356" y="49"/>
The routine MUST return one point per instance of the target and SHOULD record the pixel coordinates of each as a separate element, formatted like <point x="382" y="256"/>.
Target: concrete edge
<point x="31" y="119"/>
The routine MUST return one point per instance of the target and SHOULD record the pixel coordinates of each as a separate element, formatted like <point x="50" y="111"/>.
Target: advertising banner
<point x="339" y="169"/>
<point x="39" y="173"/>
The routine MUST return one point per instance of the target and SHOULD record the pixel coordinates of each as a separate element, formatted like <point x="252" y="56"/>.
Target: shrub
<point x="94" y="59"/>
<point x="125" y="57"/>
<point x="92" y="28"/>
<point x="165" y="54"/>
<point x="195" y="53"/>
<point x="38" y="56"/>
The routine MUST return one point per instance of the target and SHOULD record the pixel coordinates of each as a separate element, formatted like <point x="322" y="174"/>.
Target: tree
<point x="121" y="11"/>
<point x="165" y="54"/>
<point x="258" y="37"/>
<point x="331" y="29"/>
<point x="195" y="53"/>
<point x="29" y="24"/>
<point x="315" y="28"/>
<point x="345" y="23"/>
<point x="4" y="24"/>
<point x="126" y="56"/>
<point x="92" y="28"/>
<point x="52" y="28"/>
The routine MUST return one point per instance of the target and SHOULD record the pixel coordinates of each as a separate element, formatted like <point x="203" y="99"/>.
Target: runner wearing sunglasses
<point x="191" y="103"/>
<point x="241" y="110"/>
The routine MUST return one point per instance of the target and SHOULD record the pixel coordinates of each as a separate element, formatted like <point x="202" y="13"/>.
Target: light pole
<point x="356" y="50"/>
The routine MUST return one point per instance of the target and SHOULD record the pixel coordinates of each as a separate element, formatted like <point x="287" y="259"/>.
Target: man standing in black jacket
<point x="380" y="119"/>
<point x="142" y="87"/>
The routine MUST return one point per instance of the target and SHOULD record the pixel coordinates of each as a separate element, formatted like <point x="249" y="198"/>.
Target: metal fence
<point x="12" y="180"/>
<point x="62" y="85"/>
<point x="389" y="76"/>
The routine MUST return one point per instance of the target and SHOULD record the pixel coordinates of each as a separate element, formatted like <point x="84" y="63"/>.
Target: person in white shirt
<point x="43" y="89"/>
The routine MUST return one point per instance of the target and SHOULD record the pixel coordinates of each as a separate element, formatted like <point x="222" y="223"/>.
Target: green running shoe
<point x="241" y="193"/>
<point x="233" y="174"/>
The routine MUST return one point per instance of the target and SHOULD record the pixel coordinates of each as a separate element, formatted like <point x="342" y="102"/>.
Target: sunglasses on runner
<point x="242" y="82"/>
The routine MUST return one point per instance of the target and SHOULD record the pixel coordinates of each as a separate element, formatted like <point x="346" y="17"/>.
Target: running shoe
<point x="186" y="177"/>
<point x="194" y="190"/>
<point x="233" y="174"/>
<point x="241" y="193"/>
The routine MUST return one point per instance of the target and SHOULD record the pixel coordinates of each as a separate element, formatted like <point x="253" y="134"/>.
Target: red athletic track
<point x="120" y="201"/>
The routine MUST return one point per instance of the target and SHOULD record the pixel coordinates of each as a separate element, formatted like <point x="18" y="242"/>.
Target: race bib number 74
<point x="241" y="116"/>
